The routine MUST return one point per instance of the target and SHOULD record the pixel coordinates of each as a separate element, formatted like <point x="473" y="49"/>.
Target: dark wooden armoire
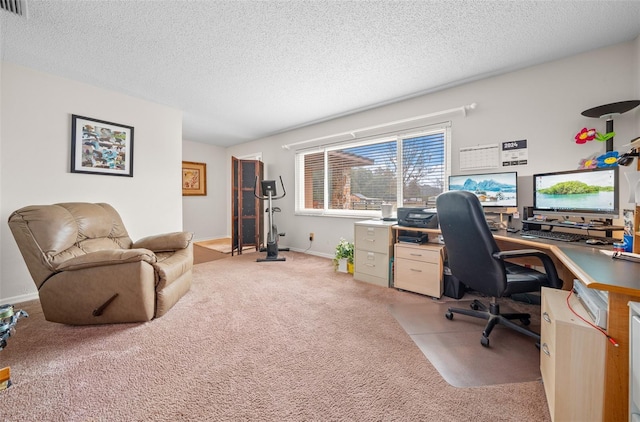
<point x="247" y="226"/>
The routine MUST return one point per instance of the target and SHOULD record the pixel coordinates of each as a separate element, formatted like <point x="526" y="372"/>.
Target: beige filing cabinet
<point x="373" y="251"/>
<point x="418" y="268"/>
<point x="572" y="359"/>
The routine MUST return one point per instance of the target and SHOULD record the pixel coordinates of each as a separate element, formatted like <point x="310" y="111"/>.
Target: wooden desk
<point x="597" y="271"/>
<point x="621" y="279"/>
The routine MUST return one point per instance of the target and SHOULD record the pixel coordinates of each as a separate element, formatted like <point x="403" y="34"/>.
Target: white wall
<point x="1" y="231"/>
<point x="35" y="153"/>
<point x="541" y="104"/>
<point x="636" y="80"/>
<point x="206" y="216"/>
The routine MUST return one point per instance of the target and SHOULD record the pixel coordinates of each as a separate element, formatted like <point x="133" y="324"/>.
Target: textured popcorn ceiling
<point x="241" y="70"/>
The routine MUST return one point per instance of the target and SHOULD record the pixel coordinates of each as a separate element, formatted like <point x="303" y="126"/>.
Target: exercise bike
<point x="269" y="194"/>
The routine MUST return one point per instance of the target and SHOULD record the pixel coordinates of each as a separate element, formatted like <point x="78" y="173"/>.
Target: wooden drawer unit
<point x="418" y="268"/>
<point x="634" y="361"/>
<point x="373" y="251"/>
<point x="572" y="357"/>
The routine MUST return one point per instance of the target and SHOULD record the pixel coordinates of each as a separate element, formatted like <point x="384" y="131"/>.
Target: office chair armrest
<point x="547" y="262"/>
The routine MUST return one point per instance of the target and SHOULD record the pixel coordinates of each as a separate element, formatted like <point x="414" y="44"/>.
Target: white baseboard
<point x="320" y="254"/>
<point x="19" y="299"/>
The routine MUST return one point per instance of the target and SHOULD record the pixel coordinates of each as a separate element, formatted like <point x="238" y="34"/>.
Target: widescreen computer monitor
<point x="492" y="189"/>
<point x="581" y="193"/>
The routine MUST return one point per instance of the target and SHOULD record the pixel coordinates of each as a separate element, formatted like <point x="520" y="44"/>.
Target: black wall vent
<point x="17" y="7"/>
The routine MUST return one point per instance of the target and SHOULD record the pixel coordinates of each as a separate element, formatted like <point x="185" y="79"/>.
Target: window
<point x="356" y="177"/>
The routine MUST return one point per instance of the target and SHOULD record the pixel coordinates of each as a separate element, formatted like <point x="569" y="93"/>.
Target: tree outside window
<point x="358" y="177"/>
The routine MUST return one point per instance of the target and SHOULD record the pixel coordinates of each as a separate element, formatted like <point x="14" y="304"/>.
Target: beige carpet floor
<point x="251" y="341"/>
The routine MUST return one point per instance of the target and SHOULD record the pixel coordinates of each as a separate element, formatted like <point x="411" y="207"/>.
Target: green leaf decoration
<point x="603" y="138"/>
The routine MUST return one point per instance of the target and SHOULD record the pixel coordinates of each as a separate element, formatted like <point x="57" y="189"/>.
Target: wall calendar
<point x="479" y="157"/>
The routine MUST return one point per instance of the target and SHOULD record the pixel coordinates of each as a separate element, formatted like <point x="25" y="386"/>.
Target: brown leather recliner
<point x="89" y="271"/>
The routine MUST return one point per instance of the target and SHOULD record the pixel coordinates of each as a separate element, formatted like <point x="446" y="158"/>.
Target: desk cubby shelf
<point x="580" y="226"/>
<point x="585" y="228"/>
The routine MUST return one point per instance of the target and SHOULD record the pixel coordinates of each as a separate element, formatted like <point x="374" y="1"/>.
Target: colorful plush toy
<point x="585" y="135"/>
<point x="590" y="134"/>
<point x="588" y="163"/>
<point x="609" y="159"/>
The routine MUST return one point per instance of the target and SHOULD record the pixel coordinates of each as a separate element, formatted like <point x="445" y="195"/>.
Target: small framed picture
<point x="627" y="217"/>
<point x="194" y="178"/>
<point x="101" y="147"/>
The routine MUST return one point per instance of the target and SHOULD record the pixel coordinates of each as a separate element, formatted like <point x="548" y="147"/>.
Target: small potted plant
<point x="343" y="260"/>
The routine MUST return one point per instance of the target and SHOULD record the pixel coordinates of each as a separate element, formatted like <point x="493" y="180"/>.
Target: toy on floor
<point x="8" y="319"/>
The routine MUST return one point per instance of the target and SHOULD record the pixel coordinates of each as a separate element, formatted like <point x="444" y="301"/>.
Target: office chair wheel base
<point x="449" y="315"/>
<point x="484" y="341"/>
<point x="474" y="306"/>
<point x="525" y="321"/>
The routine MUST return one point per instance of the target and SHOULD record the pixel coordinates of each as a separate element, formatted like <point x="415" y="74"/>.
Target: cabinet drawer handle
<point x="370" y="265"/>
<point x="416" y="254"/>
<point x="545" y="349"/>
<point x="416" y="270"/>
<point x="546" y="317"/>
<point x="370" y="240"/>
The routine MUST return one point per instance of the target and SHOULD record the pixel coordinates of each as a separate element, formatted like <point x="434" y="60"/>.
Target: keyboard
<point x="561" y="236"/>
<point x="567" y="237"/>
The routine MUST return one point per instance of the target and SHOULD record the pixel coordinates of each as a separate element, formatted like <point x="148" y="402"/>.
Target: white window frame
<point x="445" y="128"/>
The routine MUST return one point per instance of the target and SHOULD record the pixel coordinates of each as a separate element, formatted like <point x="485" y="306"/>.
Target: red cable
<point x="611" y="340"/>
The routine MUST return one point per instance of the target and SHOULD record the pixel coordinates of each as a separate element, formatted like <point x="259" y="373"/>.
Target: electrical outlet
<point x="310" y="237"/>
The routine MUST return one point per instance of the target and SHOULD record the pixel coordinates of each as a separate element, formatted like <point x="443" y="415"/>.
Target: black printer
<point x="424" y="218"/>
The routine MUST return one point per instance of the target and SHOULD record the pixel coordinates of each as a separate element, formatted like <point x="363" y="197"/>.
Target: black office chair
<point x="476" y="260"/>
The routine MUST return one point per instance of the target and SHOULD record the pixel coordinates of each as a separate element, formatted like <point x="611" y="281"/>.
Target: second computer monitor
<point x="583" y="193"/>
<point x="498" y="190"/>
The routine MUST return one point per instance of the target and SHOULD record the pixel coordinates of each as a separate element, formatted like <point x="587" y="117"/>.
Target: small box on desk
<point x="531" y="225"/>
<point x="412" y="237"/>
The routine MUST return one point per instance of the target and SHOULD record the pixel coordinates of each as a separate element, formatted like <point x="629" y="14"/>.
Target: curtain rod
<point x="352" y="134"/>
